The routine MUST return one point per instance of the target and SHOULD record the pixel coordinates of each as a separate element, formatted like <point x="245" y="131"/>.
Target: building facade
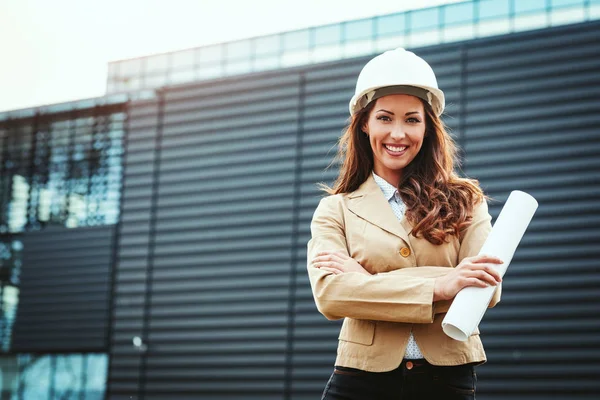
<point x="153" y="246"/>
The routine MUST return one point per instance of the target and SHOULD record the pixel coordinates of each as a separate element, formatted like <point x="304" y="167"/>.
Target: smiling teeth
<point x="392" y="148"/>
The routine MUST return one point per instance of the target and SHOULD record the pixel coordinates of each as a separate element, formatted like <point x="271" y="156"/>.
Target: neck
<point x="391" y="177"/>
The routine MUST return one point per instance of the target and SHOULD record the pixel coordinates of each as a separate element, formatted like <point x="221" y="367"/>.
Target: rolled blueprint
<point x="470" y="303"/>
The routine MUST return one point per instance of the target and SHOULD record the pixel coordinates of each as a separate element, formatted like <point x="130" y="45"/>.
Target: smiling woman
<point x="396" y="240"/>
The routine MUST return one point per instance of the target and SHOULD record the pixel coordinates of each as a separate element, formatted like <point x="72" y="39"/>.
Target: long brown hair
<point x="439" y="203"/>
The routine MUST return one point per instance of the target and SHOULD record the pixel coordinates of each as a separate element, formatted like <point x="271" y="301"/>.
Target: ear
<point x="364" y="129"/>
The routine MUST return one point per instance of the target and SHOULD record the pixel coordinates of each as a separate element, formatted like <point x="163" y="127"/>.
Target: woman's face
<point x="396" y="127"/>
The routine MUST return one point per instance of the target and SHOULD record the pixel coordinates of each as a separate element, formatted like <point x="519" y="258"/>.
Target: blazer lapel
<point x="369" y="203"/>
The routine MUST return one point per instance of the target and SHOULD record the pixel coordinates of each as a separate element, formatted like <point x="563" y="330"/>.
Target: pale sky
<point x="53" y="51"/>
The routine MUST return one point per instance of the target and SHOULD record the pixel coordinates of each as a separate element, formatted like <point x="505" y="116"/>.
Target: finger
<point x="329" y="264"/>
<point x="482" y="275"/>
<point x="330" y="257"/>
<point x="334" y="270"/>
<point x="339" y="252"/>
<point x="493" y="272"/>
<point x="489" y="269"/>
<point x="476" y="282"/>
<point x="486" y="258"/>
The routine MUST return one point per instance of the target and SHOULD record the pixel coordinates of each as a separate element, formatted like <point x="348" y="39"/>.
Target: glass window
<point x="529" y="5"/>
<point x="70" y="376"/>
<point x="329" y="34"/>
<point x="493" y="27"/>
<point x="130" y="67"/>
<point x="455" y="33"/>
<point x="182" y="76"/>
<point x="265" y="63"/>
<point x="391" y="24"/>
<point x="295" y="58"/>
<point x="564" y="16"/>
<point x="237" y="67"/>
<point x="112" y="86"/>
<point x="424" y="19"/>
<point x="113" y="69"/>
<point x="327" y="53"/>
<point x="296" y="40"/>
<point x="358" y="48"/>
<point x="424" y="38"/>
<point x="185" y="58"/>
<point x="362" y="29"/>
<point x="561" y="3"/>
<point x="458" y="13"/>
<point x="207" y="71"/>
<point x="267" y="45"/>
<point x="594" y="11"/>
<point x="238" y="50"/>
<point x="211" y="53"/>
<point x="157" y="63"/>
<point x="494" y="8"/>
<point x="530" y="21"/>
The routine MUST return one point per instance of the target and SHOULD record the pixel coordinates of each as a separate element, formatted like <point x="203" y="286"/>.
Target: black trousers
<point x="412" y="380"/>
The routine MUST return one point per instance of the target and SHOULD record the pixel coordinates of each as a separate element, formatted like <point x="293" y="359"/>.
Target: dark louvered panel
<point x="533" y="125"/>
<point x="64" y="291"/>
<point x="222" y="258"/>
<point x="130" y="292"/>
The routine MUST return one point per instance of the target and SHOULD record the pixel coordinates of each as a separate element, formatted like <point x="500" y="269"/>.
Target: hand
<point x="338" y="262"/>
<point x="472" y="271"/>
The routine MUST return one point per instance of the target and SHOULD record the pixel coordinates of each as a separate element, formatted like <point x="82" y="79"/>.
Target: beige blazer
<point x="380" y="311"/>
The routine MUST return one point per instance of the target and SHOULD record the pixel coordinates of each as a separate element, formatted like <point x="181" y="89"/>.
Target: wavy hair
<point x="439" y="203"/>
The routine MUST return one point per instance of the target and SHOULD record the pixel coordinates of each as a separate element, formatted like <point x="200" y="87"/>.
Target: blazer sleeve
<point x="400" y="297"/>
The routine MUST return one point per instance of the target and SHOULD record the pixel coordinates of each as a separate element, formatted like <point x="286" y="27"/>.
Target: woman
<point x="396" y="240"/>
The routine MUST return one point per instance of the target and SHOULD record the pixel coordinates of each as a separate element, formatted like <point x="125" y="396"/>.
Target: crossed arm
<point x="342" y="288"/>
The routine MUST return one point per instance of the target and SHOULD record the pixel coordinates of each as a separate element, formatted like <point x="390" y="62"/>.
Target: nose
<point x="398" y="132"/>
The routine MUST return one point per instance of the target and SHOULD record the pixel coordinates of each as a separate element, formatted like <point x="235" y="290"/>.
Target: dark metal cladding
<point x="64" y="289"/>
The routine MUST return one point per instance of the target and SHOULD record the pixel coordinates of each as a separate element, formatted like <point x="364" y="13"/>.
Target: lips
<point x="395" y="150"/>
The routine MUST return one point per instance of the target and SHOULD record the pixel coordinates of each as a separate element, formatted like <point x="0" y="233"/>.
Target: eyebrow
<point x="408" y="113"/>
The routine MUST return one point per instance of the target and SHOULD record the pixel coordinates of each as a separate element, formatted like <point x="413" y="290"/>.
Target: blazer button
<point x="405" y="252"/>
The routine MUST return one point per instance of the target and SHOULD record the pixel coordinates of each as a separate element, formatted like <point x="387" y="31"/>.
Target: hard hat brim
<point x="437" y="98"/>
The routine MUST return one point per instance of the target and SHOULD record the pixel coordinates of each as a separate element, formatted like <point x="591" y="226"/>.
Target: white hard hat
<point x="397" y="71"/>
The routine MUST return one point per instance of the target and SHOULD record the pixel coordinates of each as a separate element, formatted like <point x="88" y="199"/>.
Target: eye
<point x="384" y="118"/>
<point x="413" y="120"/>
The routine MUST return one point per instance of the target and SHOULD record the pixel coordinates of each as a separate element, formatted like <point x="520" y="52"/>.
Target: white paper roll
<point x="470" y="303"/>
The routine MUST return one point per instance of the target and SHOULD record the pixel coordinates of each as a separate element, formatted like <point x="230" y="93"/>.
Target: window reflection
<point x="391" y="24"/>
<point x="425" y="19"/>
<point x="458" y="13"/>
<point x="529" y="5"/>
<point x="494" y="8"/>
<point x="267" y="45"/>
<point x="53" y="377"/>
<point x="11" y="256"/>
<point x="362" y="29"/>
<point x="296" y="40"/>
<point x="328" y="34"/>
<point x="66" y="173"/>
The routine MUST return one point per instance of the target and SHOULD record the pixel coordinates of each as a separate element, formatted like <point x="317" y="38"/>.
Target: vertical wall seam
<point x="289" y="348"/>
<point x="151" y="243"/>
<point x="115" y="252"/>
